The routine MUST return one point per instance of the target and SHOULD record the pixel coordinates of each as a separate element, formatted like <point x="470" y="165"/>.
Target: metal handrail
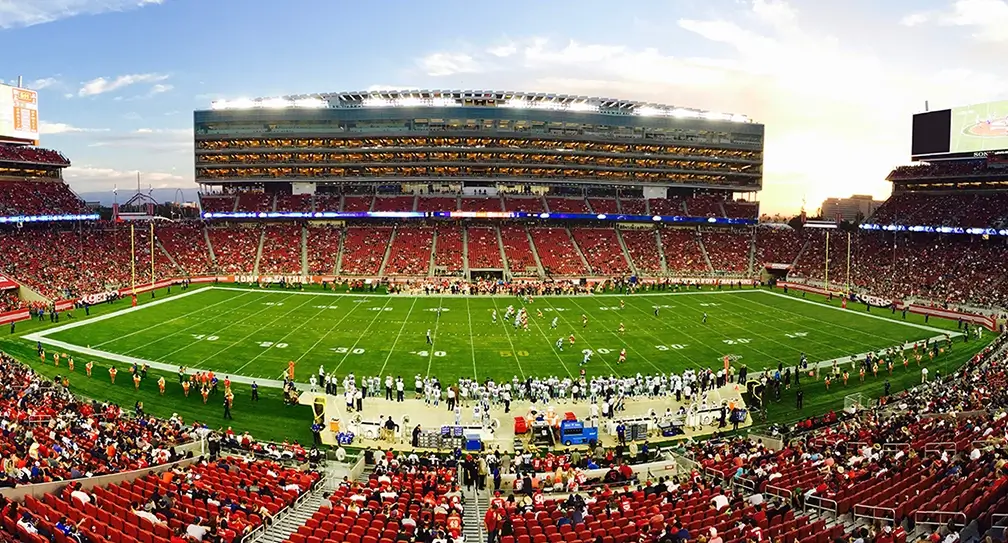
<point x="940" y="446"/>
<point x="779" y="491"/>
<point x="873" y="509"/>
<point x="940" y="514"/>
<point x="821" y="505"/>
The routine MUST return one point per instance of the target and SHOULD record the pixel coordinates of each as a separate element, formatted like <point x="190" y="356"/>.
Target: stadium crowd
<point x="37" y="155"/>
<point x="50" y="435"/>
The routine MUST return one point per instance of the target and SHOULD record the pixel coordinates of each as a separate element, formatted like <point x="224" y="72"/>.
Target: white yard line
<point x="472" y="342"/>
<point x="437" y="321"/>
<point x="182" y="316"/>
<point x="550" y="345"/>
<point x="177" y="332"/>
<point x="257" y="330"/>
<point x="328" y="332"/>
<point x="513" y="350"/>
<point x="378" y="314"/>
<point x="36" y="336"/>
<point x="285" y="336"/>
<point x="646" y="359"/>
<point x="560" y="314"/>
<point x="396" y="340"/>
<point x="865" y="314"/>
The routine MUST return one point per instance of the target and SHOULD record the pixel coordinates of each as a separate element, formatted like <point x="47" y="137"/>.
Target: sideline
<point x="43" y="338"/>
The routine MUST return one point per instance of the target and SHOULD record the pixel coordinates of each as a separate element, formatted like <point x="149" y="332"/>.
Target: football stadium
<point x="433" y="315"/>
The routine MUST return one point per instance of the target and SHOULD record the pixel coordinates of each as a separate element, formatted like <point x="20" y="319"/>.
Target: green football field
<point x="254" y="333"/>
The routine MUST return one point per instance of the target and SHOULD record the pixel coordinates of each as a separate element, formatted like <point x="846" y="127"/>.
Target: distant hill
<point x="107" y="198"/>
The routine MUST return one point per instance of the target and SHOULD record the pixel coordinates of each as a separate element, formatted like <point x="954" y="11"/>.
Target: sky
<point x="835" y="82"/>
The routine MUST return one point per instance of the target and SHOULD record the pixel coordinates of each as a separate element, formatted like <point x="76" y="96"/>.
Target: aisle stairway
<point x="288" y="521"/>
<point x="476" y="505"/>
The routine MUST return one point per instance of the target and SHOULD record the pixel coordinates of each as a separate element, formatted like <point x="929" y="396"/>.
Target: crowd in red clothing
<point x="49" y="435"/>
<point x="34" y="155"/>
<point x="217" y="500"/>
<point x="909" y="456"/>
<point x="41" y="197"/>
<point x="957" y="168"/>
<point x="405" y="498"/>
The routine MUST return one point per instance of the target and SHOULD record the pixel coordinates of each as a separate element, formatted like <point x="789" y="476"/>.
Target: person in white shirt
<point x="80" y="495"/>
<point x="196" y="530"/>
<point x="26" y="524"/>
<point x="138" y="511"/>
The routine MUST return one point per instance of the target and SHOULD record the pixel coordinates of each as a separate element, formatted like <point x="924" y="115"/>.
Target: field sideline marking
<point x="593" y="295"/>
<point x="210" y="318"/>
<point x="36" y="336"/>
<point x="42" y="336"/>
<point x="865" y="314"/>
<point x="117" y="338"/>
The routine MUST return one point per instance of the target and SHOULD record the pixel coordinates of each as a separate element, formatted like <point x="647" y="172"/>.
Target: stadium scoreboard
<point x="19" y="120"/>
<point x="973" y="131"/>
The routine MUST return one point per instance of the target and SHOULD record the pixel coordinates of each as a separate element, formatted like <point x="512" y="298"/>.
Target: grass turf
<point x="254" y="332"/>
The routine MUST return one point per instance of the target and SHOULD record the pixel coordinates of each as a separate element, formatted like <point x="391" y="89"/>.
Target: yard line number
<point x="347" y="350"/>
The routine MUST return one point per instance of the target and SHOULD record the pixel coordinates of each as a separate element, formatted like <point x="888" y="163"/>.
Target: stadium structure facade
<point x="449" y="140"/>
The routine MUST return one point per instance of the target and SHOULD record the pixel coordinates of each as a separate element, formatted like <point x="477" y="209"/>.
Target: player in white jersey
<point x="493" y="316"/>
<point x="553" y="324"/>
<point x="559" y="343"/>
<point x="587" y="357"/>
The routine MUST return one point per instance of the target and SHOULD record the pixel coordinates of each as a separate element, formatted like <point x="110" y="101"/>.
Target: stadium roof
<point x="479" y="98"/>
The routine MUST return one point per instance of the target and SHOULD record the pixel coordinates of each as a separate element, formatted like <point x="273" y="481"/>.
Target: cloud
<point x="102" y="85"/>
<point x="441" y="64"/>
<point x="43" y="83"/>
<point x="817" y="93"/>
<point x="97" y="178"/>
<point x="986" y="18"/>
<point x="177" y="140"/>
<point x="917" y="19"/>
<point x="49" y="128"/>
<point x="21" y="13"/>
<point x="503" y="51"/>
<point x="160" y="88"/>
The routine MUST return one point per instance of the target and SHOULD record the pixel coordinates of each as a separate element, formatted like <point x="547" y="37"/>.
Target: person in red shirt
<point x="491" y="521"/>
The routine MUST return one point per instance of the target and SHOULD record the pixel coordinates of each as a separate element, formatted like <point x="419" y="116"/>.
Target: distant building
<point x="854" y="209"/>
